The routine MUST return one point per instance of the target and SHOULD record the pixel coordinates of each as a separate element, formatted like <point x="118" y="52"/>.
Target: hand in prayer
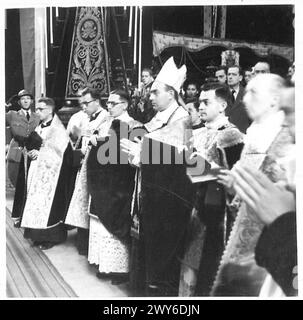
<point x="33" y="154"/>
<point x="267" y="199"/>
<point x="133" y="150"/>
<point x="130" y="147"/>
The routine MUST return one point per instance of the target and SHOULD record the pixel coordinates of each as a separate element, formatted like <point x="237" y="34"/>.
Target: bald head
<point x="269" y="82"/>
<point x="263" y="94"/>
<point x="261" y="67"/>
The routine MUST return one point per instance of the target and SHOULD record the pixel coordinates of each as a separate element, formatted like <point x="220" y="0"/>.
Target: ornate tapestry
<point x="88" y="60"/>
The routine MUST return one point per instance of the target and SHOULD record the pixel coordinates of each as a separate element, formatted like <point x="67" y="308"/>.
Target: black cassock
<point x="165" y="205"/>
<point x="111" y="185"/>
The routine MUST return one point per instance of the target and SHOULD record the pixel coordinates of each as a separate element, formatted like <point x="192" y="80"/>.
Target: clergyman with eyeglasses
<point x="45" y="194"/>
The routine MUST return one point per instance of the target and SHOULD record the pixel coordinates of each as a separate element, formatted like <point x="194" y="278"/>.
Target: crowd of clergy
<point x="174" y="188"/>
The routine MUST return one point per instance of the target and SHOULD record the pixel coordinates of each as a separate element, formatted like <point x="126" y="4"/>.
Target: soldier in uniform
<point x="20" y="123"/>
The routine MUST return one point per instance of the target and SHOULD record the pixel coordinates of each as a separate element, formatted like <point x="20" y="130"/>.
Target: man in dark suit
<point x="236" y="111"/>
<point x="20" y="124"/>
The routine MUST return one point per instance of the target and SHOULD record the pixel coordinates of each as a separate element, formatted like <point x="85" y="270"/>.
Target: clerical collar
<point x="47" y="124"/>
<point x="198" y="126"/>
<point x="95" y="114"/>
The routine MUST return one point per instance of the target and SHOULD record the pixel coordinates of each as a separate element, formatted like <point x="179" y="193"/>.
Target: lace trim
<point x="106" y="250"/>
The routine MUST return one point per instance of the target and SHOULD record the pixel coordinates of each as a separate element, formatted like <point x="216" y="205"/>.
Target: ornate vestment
<point x="239" y="251"/>
<point x="220" y="143"/>
<point x="77" y="214"/>
<point x="43" y="179"/>
<point x="161" y="205"/>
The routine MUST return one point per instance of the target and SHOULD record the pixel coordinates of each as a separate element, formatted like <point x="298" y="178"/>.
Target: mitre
<point x="171" y="75"/>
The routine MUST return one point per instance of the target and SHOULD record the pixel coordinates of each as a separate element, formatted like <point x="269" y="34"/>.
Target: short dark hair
<point x="221" y="90"/>
<point x="192" y="82"/>
<point x="122" y="93"/>
<point x="247" y="69"/>
<point x="224" y="68"/>
<point x="95" y="93"/>
<point x="48" y="101"/>
<point x="148" y="70"/>
<point x="235" y="66"/>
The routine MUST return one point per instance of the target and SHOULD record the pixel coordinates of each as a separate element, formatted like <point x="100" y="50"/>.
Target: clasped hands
<point x="132" y="148"/>
<point x="33" y="154"/>
<point x="268" y="200"/>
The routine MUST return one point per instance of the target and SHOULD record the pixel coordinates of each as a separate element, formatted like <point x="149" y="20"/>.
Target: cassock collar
<point x="47" y="124"/>
<point x="95" y="114"/>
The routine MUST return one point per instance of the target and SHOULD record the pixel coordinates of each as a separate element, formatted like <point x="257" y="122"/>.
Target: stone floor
<point x="75" y="269"/>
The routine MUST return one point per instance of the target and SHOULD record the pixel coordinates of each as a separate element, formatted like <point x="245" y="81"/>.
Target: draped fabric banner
<point x="163" y="40"/>
<point x="27" y="36"/>
<point x="223" y="22"/>
<point x="207" y="21"/>
<point x="40" y="52"/>
<point x="87" y="65"/>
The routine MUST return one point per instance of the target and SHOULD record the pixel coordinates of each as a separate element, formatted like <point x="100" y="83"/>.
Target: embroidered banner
<point x="163" y="40"/>
<point x="88" y="60"/>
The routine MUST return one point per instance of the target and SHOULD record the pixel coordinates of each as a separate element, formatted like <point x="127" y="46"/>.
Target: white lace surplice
<point x="106" y="250"/>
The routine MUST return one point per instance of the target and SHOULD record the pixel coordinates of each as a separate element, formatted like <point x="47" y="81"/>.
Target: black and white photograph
<point x="150" y="151"/>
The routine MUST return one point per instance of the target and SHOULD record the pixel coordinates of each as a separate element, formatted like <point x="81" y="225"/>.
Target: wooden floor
<point x="57" y="272"/>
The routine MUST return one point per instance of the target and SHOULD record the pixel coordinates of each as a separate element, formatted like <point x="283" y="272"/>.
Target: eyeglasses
<point x="113" y="103"/>
<point x="86" y="103"/>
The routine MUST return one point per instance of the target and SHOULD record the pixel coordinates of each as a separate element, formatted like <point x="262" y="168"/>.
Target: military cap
<point x="23" y="93"/>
